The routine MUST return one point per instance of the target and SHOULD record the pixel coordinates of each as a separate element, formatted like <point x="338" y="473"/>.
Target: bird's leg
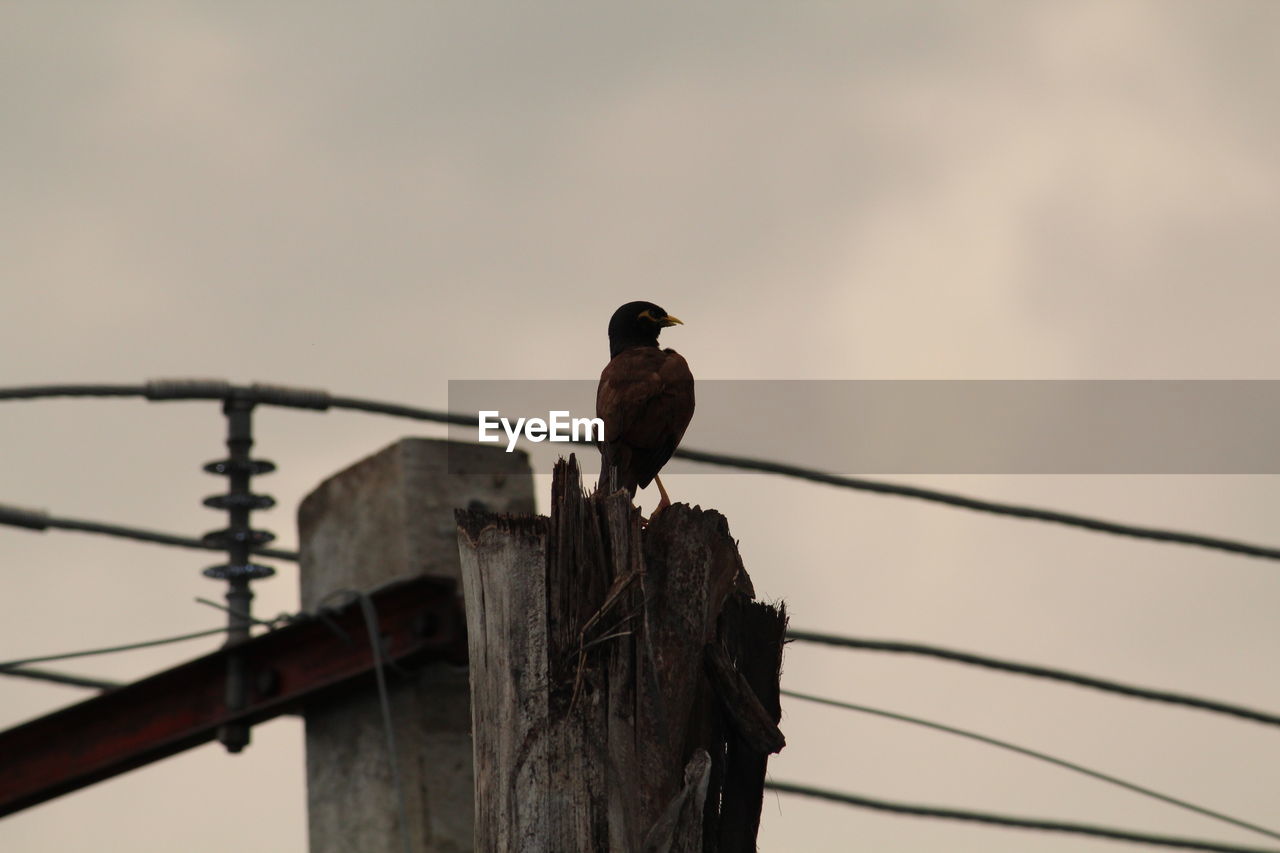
<point x="664" y="502"/>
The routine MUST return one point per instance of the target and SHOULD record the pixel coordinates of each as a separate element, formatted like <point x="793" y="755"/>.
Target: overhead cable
<point x="1041" y="756"/>
<point x="1011" y="821"/>
<point x="60" y="678"/>
<point x="1039" y="672"/>
<point x="279" y="395"/>
<point x="38" y="519"/>
<point x="128" y="647"/>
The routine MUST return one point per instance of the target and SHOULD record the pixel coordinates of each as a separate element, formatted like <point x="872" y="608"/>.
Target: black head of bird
<point x="637" y="324"/>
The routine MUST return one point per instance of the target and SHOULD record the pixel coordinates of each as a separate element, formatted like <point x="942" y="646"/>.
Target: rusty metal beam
<point x="420" y="620"/>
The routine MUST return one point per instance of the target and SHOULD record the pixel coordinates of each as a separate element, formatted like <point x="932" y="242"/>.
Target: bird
<point x="645" y="399"/>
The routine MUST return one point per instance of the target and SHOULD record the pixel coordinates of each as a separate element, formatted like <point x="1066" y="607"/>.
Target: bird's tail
<point x="610" y="479"/>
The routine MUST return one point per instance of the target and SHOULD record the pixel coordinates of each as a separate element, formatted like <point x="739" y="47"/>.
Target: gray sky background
<point x="376" y="200"/>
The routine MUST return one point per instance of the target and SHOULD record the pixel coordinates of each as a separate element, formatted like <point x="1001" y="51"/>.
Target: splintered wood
<point x="624" y="683"/>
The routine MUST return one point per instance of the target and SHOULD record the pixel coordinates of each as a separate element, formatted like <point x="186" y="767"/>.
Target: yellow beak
<point x="671" y="321"/>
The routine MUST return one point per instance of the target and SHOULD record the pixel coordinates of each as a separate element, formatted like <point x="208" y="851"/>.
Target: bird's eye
<point x="646" y="315"/>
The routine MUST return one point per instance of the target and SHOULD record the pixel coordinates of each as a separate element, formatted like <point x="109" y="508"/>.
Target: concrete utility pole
<point x="388" y="517"/>
<point x="624" y="683"/>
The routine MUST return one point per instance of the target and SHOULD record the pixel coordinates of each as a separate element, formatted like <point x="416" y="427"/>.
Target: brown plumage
<point x="645" y="398"/>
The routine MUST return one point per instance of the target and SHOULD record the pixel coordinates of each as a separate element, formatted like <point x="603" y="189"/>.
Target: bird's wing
<point x="677" y="393"/>
<point x="645" y="399"/>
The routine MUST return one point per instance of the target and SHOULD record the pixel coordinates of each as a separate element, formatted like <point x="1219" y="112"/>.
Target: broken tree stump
<point x="624" y="682"/>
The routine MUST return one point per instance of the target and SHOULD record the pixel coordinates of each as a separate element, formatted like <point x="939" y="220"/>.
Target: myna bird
<point x="645" y="399"/>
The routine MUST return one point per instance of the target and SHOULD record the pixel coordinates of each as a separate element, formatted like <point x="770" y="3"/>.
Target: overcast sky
<point x="377" y="199"/>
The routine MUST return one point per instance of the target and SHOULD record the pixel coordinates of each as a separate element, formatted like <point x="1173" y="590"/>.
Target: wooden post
<point x="388" y="517"/>
<point x="624" y="683"/>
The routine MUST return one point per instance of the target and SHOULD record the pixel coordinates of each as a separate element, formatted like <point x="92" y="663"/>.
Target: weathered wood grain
<point x="596" y="726"/>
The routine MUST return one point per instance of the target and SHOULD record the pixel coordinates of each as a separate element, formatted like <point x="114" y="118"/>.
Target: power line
<point x="36" y="519"/>
<point x="1069" y="765"/>
<point x="316" y="399"/>
<point x="128" y="647"/>
<point x="1039" y="672"/>
<point x="384" y="703"/>
<point x="412" y="412"/>
<point x="34" y="392"/>
<point x="19" y="668"/>
<point x="278" y="621"/>
<point x="61" y="678"/>
<point x="1011" y="821"/>
<point x="994" y="507"/>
